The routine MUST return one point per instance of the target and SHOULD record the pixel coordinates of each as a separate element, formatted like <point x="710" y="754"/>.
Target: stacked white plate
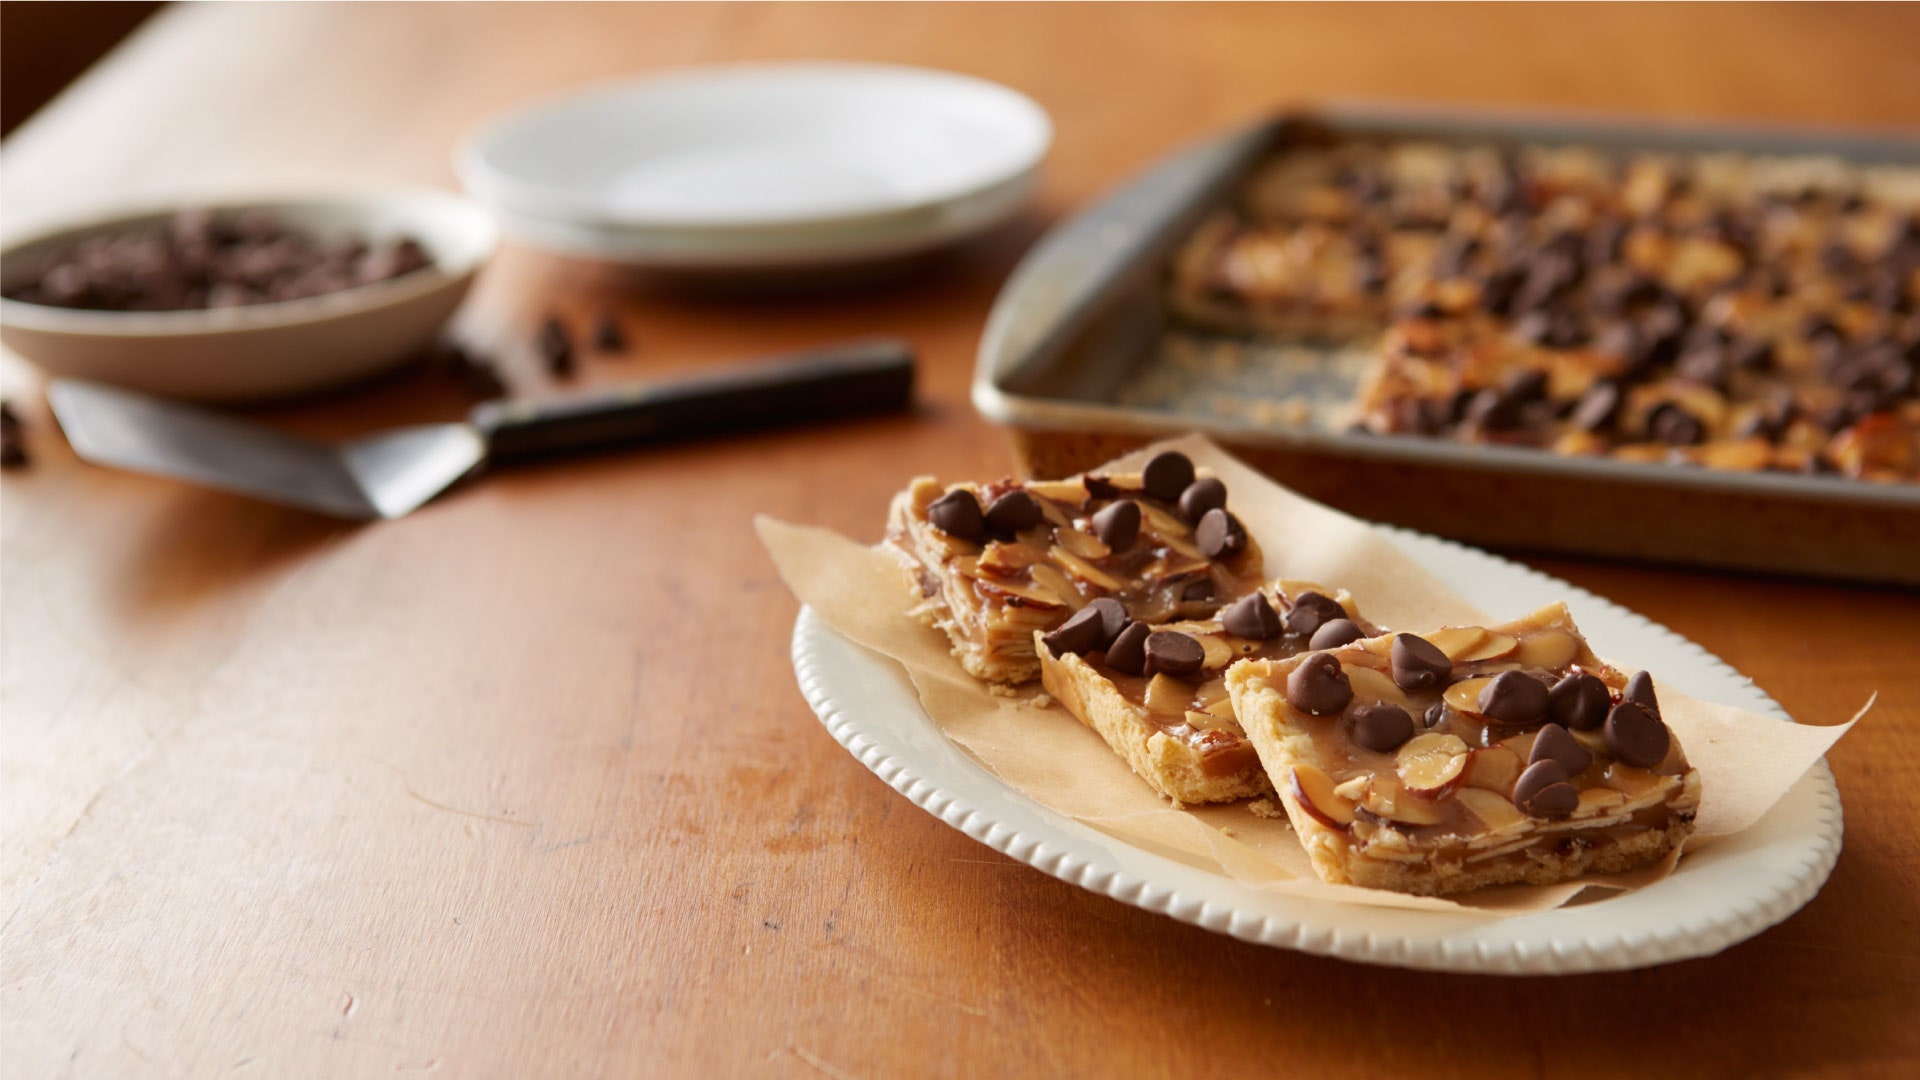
<point x="761" y="166"/>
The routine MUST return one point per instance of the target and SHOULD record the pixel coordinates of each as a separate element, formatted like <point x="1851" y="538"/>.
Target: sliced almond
<point x="1455" y="640"/>
<point x="1035" y="595"/>
<point x="1493" y="768"/>
<point x="1082" y="569"/>
<point x="1431" y="764"/>
<point x="1371" y="685"/>
<point x="1313" y="790"/>
<point x="1355" y="789"/>
<point x="1168" y="695"/>
<point x="1623" y="777"/>
<point x="1085" y="545"/>
<point x="1211" y="693"/>
<point x="1389" y="800"/>
<point x="1464" y="695"/>
<point x="1521" y="744"/>
<point x="1490" y="647"/>
<point x="1218" y="653"/>
<point x="1162" y="523"/>
<point x="1547" y="649"/>
<point x="1494" y="811"/>
<point x="1205" y="721"/>
<point x="1071" y="492"/>
<point x="1224" y="709"/>
<point x="1597" y="801"/>
<point x="1056" y="581"/>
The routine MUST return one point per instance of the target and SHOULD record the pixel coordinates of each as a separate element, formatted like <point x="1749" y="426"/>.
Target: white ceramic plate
<point x="1722" y="895"/>
<point x="784" y="163"/>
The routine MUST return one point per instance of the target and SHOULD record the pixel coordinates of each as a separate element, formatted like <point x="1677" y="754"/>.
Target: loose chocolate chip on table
<point x="957" y="513"/>
<point x="1251" y="617"/>
<point x="1118" y="526"/>
<point x="1635" y="735"/>
<point x="1334" y="633"/>
<point x="1113" y="618"/>
<point x="1167" y="475"/>
<point x="1598" y="407"/>
<point x="1204" y="494"/>
<point x="1081" y="633"/>
<point x="1543" y="790"/>
<point x="1318" y="687"/>
<point x="1220" y="534"/>
<point x="1418" y="664"/>
<point x="607" y="335"/>
<point x="1579" y="701"/>
<point x="1640" y="689"/>
<point x="1514" y="699"/>
<point x="1555" y="743"/>
<point x="1170" y="652"/>
<point x="1310" y="610"/>
<point x="1012" y="512"/>
<point x="1381" y="728"/>
<point x="556" y="346"/>
<point x="1128" y="653"/>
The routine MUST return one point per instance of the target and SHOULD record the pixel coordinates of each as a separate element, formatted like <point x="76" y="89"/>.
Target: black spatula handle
<point x="853" y="379"/>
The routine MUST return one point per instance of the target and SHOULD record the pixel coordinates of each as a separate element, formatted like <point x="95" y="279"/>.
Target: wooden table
<point x="521" y="785"/>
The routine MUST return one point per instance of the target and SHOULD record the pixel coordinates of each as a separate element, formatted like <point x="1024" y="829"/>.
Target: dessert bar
<point x="1467" y="757"/>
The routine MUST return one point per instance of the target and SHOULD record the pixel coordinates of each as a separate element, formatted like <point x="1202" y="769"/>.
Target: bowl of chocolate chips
<point x="246" y="301"/>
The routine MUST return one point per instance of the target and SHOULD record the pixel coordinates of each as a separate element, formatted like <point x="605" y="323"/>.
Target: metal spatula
<point x="389" y="474"/>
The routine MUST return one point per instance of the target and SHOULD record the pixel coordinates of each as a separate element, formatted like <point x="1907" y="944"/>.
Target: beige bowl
<point x="272" y="350"/>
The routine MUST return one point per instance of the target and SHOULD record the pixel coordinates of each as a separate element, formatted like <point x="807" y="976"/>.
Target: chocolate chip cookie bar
<point x="993" y="565"/>
<point x="1467" y="757"/>
<point x="1158" y="694"/>
<point x="1728" y="311"/>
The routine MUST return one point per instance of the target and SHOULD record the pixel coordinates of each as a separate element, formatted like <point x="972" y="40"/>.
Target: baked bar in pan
<point x="1158" y="695"/>
<point x="1730" y="311"/>
<point x="1468" y="757"/>
<point x="994" y="564"/>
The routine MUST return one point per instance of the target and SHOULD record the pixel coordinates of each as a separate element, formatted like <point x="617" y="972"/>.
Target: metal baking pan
<point x="1084" y="313"/>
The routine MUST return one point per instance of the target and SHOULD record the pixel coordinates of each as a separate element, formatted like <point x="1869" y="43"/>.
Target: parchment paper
<point x="1747" y="761"/>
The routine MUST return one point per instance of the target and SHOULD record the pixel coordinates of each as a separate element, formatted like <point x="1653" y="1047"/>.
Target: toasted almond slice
<point x="1370" y="685"/>
<point x="1490" y="647"/>
<point x="1313" y="790"/>
<point x="1493" y="768"/>
<point x="1206" y="721"/>
<point x="1456" y="640"/>
<point x="1162" y="523"/>
<point x="1168" y="695"/>
<point x="1355" y="789"/>
<point x="1218" y="653"/>
<point x="1521" y="744"/>
<point x="1026" y="591"/>
<point x="1211" y="693"/>
<point x="1224" y="709"/>
<point x="1464" y="695"/>
<point x="1388" y="799"/>
<point x="1000" y="559"/>
<point x="1432" y="763"/>
<point x="1597" y="801"/>
<point x="1055" y="580"/>
<point x="1082" y="544"/>
<point x="1623" y="777"/>
<point x="1494" y="811"/>
<point x="1547" y="649"/>
<point x="1071" y="492"/>
<point x="1083" y="569"/>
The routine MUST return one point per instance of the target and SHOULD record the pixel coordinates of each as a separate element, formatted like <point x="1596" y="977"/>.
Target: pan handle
<point x="852" y="379"/>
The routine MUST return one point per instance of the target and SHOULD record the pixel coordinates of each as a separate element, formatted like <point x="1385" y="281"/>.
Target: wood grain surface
<point x="521" y="785"/>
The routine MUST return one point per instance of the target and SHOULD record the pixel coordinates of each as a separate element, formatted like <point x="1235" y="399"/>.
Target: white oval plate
<point x="730" y="153"/>
<point x="1722" y="895"/>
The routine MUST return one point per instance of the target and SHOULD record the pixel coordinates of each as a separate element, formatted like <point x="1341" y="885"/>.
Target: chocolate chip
<point x="1128" y="653"/>
<point x="1514" y="699"/>
<point x="1436" y="715"/>
<point x="1198" y="590"/>
<point x="1220" y="534"/>
<point x="607" y="335"/>
<point x="1674" y="425"/>
<point x="1080" y="634"/>
<point x="1598" y="407"/>
<point x="555" y="346"/>
<point x="957" y="513"/>
<point x="1251" y="617"/>
<point x="1579" y="701"/>
<point x="1334" y="633"/>
<point x="1311" y="609"/>
<point x="1543" y="790"/>
<point x="1172" y="653"/>
<point x="1555" y="743"/>
<point x="1318" y="686"/>
<point x="1118" y="526"/>
<point x="1113" y="619"/>
<point x="1012" y="512"/>
<point x="1381" y="728"/>
<point x="1167" y="475"/>
<point x="1418" y="664"/>
<point x="1204" y="494"/>
<point x="1635" y="735"/>
<point x="1640" y="689"/>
